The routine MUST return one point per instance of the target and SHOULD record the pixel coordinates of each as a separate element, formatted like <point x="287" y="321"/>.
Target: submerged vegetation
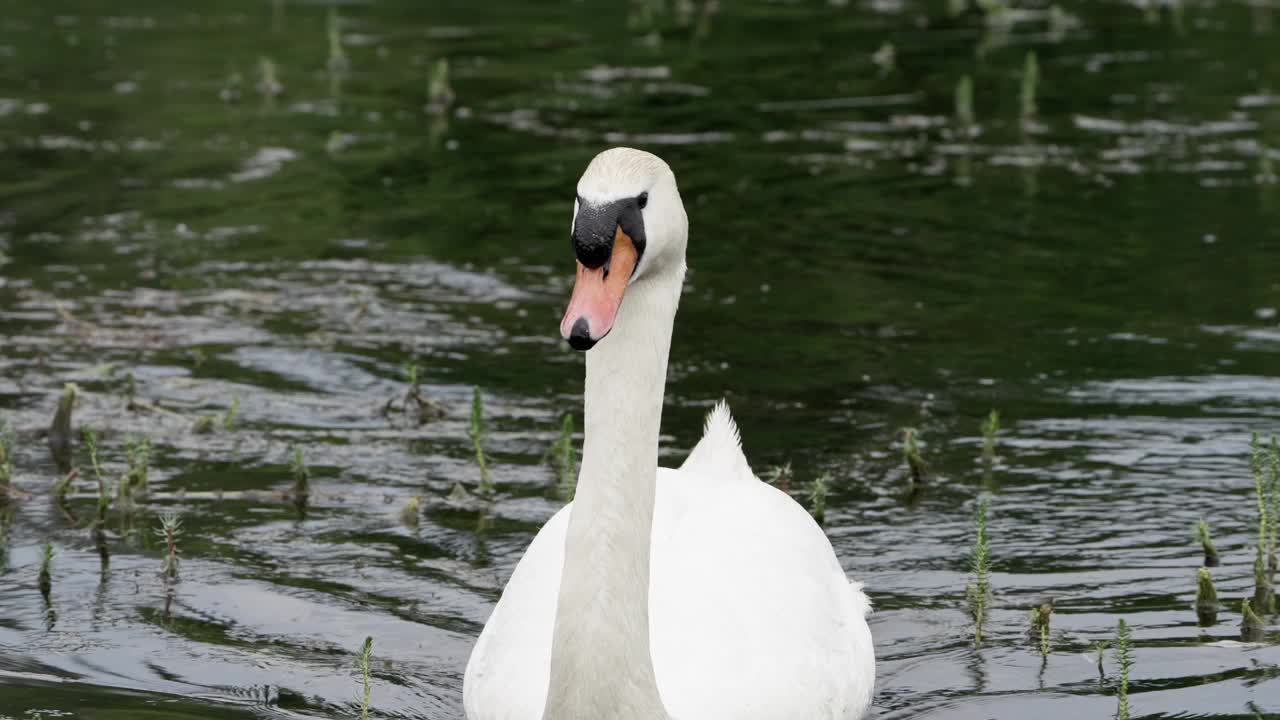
<point x="1040" y="617"/>
<point x="979" y="590"/>
<point x="990" y="427"/>
<point x="168" y="532"/>
<point x="1201" y="531"/>
<point x="917" y="469"/>
<point x="564" y="460"/>
<point x="1206" y="598"/>
<point x="477" y="432"/>
<point x="818" y="497"/>
<point x="1124" y="658"/>
<point x="362" y="665"/>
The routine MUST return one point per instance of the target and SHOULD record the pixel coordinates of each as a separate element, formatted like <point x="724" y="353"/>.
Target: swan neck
<point x="601" y="665"/>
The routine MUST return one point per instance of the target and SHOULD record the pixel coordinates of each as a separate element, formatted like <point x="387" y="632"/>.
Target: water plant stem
<point x="362" y="663"/>
<point x="477" y="432"/>
<point x="1125" y="657"/>
<point x="916" y="466"/>
<point x="990" y="426"/>
<point x="1201" y="531"/>
<point x="301" y="475"/>
<point x="169" y="530"/>
<point x="1040" y="625"/>
<point x="818" y="497"/>
<point x="1206" y="598"/>
<point x="978" y="591"/>
<point x="45" y="579"/>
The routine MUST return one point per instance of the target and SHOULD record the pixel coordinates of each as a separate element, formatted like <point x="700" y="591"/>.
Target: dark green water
<point x="1107" y="276"/>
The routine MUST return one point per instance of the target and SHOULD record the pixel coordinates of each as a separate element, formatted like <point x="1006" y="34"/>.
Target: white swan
<point x="695" y="594"/>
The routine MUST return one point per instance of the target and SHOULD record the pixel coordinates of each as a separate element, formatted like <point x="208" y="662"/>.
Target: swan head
<point x="629" y="226"/>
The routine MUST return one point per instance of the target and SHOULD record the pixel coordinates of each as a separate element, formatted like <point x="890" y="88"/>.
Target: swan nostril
<point x="580" y="335"/>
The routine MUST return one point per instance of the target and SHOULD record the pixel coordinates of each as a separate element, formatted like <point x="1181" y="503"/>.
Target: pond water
<point x="260" y="203"/>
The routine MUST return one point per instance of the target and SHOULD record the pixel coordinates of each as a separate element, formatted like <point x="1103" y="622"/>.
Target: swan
<point x="699" y="593"/>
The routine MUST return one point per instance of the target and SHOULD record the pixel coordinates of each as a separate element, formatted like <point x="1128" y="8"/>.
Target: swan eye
<point x="643" y="199"/>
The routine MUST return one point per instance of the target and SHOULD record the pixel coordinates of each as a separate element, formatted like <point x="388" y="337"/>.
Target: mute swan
<point x="696" y="594"/>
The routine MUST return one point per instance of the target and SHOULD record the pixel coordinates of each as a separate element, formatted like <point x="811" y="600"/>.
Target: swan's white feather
<point x="751" y="615"/>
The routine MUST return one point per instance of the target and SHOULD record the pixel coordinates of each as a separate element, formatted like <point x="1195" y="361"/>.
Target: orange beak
<point x="597" y="295"/>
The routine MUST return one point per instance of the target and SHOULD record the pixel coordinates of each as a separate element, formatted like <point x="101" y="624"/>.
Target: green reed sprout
<point x="1206" y="598"/>
<point x="233" y="411"/>
<point x="1040" y="625"/>
<point x="964" y="104"/>
<point x="916" y="465"/>
<point x="1273" y="516"/>
<point x="477" y="432"/>
<point x="1100" y="648"/>
<point x="6" y="457"/>
<point x="1030" y="79"/>
<point x="440" y="93"/>
<point x="978" y="592"/>
<point x="1262" y="593"/>
<point x="338" y="62"/>
<point x="409" y="513"/>
<point x="818" y="497"/>
<point x="137" y="453"/>
<point x="269" y="85"/>
<point x="58" y="492"/>
<point x="1125" y="657"/>
<point x="565" y="460"/>
<point x="169" y="531"/>
<point x="782" y="477"/>
<point x="90" y="440"/>
<point x="1251" y="626"/>
<point x="301" y="474"/>
<point x="130" y="392"/>
<point x="60" y="430"/>
<point x="362" y="664"/>
<point x="990" y="426"/>
<point x="203" y="425"/>
<point x="885" y="58"/>
<point x="45" y="579"/>
<point x="1201" y="531"/>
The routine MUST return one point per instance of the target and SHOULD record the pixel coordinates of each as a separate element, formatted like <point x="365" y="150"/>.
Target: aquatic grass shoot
<point x="1262" y="592"/>
<point x="169" y="530"/>
<point x="60" y="436"/>
<point x="137" y="453"/>
<point x="782" y="477"/>
<point x="409" y="512"/>
<point x="1100" y="649"/>
<point x="89" y="438"/>
<point x="1252" y="628"/>
<point x="233" y="411"/>
<point x="818" y="497"/>
<point x="6" y="458"/>
<point x="45" y="578"/>
<point x="440" y="93"/>
<point x="565" y="460"/>
<point x="1273" y="517"/>
<point x="1030" y="80"/>
<point x="978" y="591"/>
<point x="1124" y="655"/>
<point x="337" y="62"/>
<point x="477" y="433"/>
<point x="300" y="473"/>
<point x="1201" y="531"/>
<point x="990" y="427"/>
<point x="1206" y="598"/>
<point x="916" y="467"/>
<point x="1040" y="615"/>
<point x="362" y="664"/>
<point x="965" y="117"/>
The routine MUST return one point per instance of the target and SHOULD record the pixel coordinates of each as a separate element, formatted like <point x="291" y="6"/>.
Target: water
<point x="1107" y="276"/>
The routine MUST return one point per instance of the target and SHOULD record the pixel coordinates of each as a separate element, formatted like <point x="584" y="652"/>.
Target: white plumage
<point x="751" y="616"/>
<point x="747" y="615"/>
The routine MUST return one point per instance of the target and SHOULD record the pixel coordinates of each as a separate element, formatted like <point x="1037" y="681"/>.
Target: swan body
<point x="692" y="594"/>
<point x="751" y="615"/>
